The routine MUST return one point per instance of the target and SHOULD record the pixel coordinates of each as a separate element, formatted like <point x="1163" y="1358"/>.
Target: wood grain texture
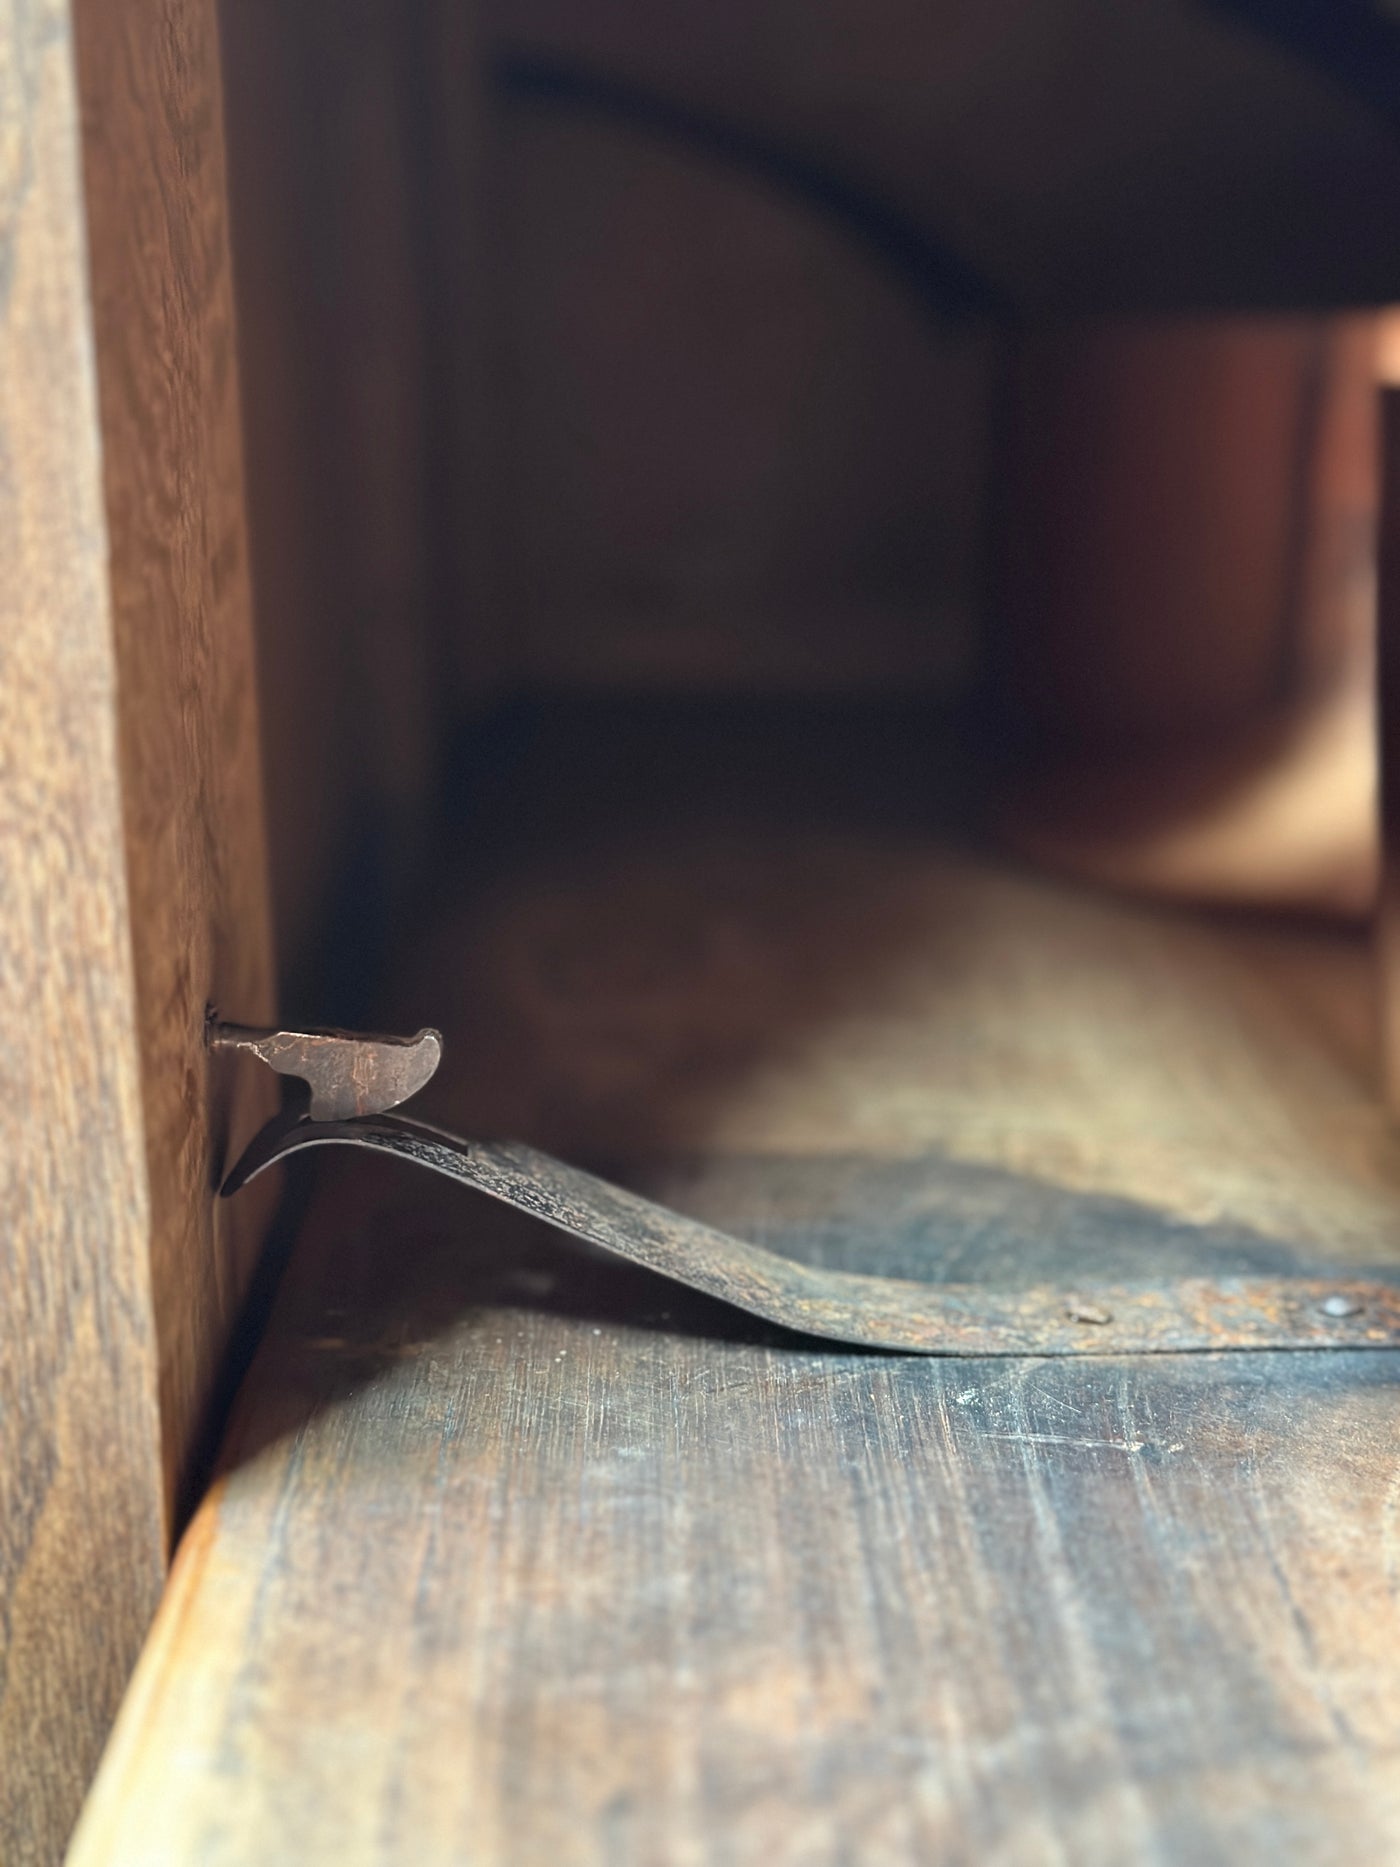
<point x="162" y="315"/>
<point x="1076" y="156"/>
<point x="81" y="1518"/>
<point x="1158" y="504"/>
<point x="529" y="1567"/>
<point x="521" y="1555"/>
<point x="130" y="850"/>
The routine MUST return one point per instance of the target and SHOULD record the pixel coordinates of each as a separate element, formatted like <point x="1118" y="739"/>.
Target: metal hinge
<point x="354" y="1081"/>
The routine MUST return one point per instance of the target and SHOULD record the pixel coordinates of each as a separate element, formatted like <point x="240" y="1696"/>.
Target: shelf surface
<point x="520" y="1554"/>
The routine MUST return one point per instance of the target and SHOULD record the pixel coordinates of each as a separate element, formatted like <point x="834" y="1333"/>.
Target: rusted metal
<point x="347" y="1073"/>
<point x="1184" y="1315"/>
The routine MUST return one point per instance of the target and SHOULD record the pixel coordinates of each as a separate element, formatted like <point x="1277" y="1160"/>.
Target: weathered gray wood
<point x="164" y="340"/>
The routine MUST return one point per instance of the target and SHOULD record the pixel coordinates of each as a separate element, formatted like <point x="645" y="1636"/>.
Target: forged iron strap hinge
<point x="354" y="1081"/>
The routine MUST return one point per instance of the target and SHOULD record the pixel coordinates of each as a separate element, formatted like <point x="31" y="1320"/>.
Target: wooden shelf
<point x="520" y="1554"/>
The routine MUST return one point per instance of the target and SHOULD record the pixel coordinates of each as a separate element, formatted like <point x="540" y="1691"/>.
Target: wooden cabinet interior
<point x="515" y="426"/>
<point x="714" y="494"/>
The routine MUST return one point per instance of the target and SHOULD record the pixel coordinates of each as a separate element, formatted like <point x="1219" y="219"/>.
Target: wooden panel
<point x="129" y="805"/>
<point x="81" y="1518"/>
<point x="162" y="314"/>
<point x="1184" y="636"/>
<point x="1156" y="521"/>
<point x="522" y="1555"/>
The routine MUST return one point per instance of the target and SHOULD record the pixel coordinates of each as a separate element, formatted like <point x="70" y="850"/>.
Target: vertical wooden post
<point x="131" y="851"/>
<point x="80" y="1505"/>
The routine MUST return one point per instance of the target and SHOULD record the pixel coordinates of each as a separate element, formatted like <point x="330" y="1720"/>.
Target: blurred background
<point x="896" y="388"/>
